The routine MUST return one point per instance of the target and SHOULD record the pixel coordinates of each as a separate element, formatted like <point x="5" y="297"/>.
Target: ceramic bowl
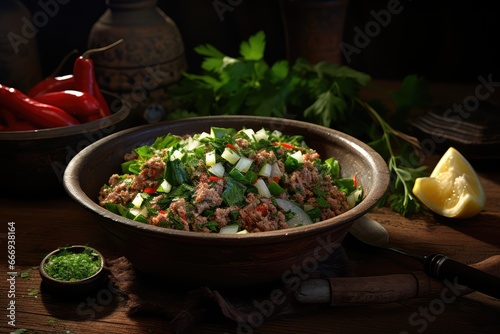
<point x="216" y="259"/>
<point x="75" y="287"/>
<point x="34" y="161"/>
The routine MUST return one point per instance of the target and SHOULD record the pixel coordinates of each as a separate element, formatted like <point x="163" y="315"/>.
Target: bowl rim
<point x="87" y="280"/>
<point x="380" y="185"/>
<point x="121" y="114"/>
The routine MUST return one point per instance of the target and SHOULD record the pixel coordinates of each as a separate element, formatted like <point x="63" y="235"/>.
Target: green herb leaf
<point x="175" y="173"/>
<point x="234" y="194"/>
<point x="253" y="49"/>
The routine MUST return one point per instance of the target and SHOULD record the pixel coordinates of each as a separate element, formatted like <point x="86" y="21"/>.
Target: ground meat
<point x="118" y="191"/>
<point x="151" y="171"/>
<point x="199" y="203"/>
<point x="206" y="197"/>
<point x="241" y="142"/>
<point x="222" y="215"/>
<point x="260" y="215"/>
<point x="262" y="157"/>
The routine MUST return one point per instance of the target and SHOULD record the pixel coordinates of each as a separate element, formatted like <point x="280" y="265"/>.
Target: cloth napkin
<point x="186" y="306"/>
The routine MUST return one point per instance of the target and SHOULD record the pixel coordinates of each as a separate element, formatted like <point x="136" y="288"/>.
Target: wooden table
<point x="44" y="224"/>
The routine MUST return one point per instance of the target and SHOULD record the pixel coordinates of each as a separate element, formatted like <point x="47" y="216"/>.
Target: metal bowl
<point x="34" y="161"/>
<point x="216" y="259"/>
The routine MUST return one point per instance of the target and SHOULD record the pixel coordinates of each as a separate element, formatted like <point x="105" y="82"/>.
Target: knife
<point x="438" y="266"/>
<point x="338" y="291"/>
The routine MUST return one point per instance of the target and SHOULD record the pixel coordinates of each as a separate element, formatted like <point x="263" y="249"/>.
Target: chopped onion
<point x="266" y="170"/>
<point x="192" y="144"/>
<point x="176" y="155"/>
<point x="137" y="201"/>
<point x="164" y="187"/>
<point x="300" y="217"/>
<point x="136" y="212"/>
<point x="277" y="133"/>
<point x="231" y="156"/>
<point x="217" y="170"/>
<point x="275" y="170"/>
<point x="353" y="197"/>
<point x="261" y="134"/>
<point x="250" y="133"/>
<point x="210" y="158"/>
<point x="298" y="156"/>
<point x="262" y="188"/>
<point x="244" y="164"/>
<point x="230" y="229"/>
<point x="203" y="135"/>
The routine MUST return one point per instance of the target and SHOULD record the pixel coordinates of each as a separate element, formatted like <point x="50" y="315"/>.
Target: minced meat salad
<point x="229" y="181"/>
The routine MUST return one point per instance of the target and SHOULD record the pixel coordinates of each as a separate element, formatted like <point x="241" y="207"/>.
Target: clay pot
<point x="150" y="58"/>
<point x="314" y="29"/>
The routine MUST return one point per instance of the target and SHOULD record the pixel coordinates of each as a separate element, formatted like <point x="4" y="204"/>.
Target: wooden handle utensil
<point x="386" y="288"/>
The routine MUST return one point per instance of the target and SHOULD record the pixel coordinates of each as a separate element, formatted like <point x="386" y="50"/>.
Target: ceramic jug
<point x="149" y="60"/>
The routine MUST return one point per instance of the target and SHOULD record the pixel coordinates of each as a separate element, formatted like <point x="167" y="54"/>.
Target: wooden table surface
<point x="43" y="224"/>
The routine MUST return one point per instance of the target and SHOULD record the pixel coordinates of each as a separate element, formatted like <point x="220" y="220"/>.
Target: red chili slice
<point x="284" y="145"/>
<point x="231" y="146"/>
<point x="262" y="209"/>
<point x="150" y="190"/>
<point x="214" y="178"/>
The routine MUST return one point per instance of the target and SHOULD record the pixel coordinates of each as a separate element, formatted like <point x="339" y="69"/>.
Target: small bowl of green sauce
<point x="73" y="270"/>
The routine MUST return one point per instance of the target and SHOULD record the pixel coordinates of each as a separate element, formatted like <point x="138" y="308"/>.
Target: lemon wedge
<point x="453" y="189"/>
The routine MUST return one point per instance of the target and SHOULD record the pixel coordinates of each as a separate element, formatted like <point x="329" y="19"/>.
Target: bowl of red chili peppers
<point x="43" y="129"/>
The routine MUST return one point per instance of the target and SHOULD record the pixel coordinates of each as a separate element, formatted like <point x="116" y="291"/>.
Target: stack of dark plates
<point x="475" y="132"/>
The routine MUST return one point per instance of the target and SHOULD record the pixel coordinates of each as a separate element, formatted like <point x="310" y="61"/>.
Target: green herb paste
<point x="70" y="266"/>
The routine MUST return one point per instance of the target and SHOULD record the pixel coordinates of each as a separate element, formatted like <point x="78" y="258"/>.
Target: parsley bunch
<point x="322" y="93"/>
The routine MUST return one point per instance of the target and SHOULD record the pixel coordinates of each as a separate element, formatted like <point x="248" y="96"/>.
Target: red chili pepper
<point x="276" y="179"/>
<point x="12" y="123"/>
<point x="284" y="145"/>
<point x="231" y="146"/>
<point x="52" y="84"/>
<point x="150" y="190"/>
<point x="355" y="179"/>
<point x="162" y="212"/>
<point x="214" y="178"/>
<point x="40" y="114"/>
<point x="85" y="79"/>
<point x="79" y="104"/>
<point x="262" y="209"/>
<point x="183" y="216"/>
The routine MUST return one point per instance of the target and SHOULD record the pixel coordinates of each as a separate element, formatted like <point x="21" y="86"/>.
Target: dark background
<point x="444" y="41"/>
